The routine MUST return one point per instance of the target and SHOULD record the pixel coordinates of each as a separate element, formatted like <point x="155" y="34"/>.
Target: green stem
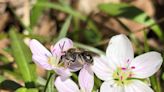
<point x="48" y="80"/>
<point x="154" y="81"/>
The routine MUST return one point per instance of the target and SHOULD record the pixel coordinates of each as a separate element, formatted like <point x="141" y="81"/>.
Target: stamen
<point x="130" y="75"/>
<point x="121" y="78"/>
<point x="123" y="68"/>
<point x="133" y="67"/>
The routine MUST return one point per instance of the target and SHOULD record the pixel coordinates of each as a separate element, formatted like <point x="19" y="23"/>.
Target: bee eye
<point x="88" y="57"/>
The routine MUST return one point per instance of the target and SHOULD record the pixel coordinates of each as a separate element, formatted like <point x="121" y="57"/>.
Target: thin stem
<point x="155" y="83"/>
<point x="48" y="80"/>
<point x="154" y="80"/>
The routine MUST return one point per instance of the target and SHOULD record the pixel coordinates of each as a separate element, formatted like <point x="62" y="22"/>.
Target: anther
<point x="133" y="67"/>
<point x="123" y="68"/>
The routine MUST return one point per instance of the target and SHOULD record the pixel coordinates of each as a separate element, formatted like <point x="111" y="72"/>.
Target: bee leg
<point x="66" y="64"/>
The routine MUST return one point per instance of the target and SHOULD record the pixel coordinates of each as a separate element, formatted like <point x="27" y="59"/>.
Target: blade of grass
<point x="2" y="78"/>
<point x="61" y="8"/>
<point x="89" y="48"/>
<point x="154" y="80"/>
<point x="65" y="27"/>
<point x="27" y="90"/>
<point x="36" y="12"/>
<point x="21" y="56"/>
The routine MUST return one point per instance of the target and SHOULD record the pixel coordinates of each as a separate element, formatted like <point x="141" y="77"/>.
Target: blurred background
<point x="89" y="23"/>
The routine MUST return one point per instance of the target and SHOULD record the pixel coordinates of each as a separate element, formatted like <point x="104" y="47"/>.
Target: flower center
<point x="52" y="61"/>
<point x="123" y="75"/>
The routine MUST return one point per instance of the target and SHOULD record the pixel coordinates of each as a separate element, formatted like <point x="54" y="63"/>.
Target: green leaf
<point x="132" y="13"/>
<point x="65" y="27"/>
<point x="91" y="34"/>
<point x="89" y="48"/>
<point x="163" y="76"/>
<point x="22" y="56"/>
<point x="27" y="90"/>
<point x="2" y="78"/>
<point x="36" y="12"/>
<point x="61" y="8"/>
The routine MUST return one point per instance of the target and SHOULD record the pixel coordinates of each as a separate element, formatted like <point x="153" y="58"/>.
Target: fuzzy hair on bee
<point x="76" y="57"/>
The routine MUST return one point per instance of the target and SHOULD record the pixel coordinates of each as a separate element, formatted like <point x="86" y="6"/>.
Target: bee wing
<point x="91" y="53"/>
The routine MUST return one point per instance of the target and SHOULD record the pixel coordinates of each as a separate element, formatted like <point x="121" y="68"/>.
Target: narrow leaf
<point x="64" y="29"/>
<point x="130" y="12"/>
<point x="61" y="8"/>
<point x="21" y="55"/>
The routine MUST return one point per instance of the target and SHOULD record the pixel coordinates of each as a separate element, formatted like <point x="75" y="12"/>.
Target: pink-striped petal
<point x="38" y="49"/>
<point x="110" y="86"/>
<point x="103" y="67"/>
<point x="42" y="62"/>
<point x="120" y="50"/>
<point x="40" y="54"/>
<point x="62" y="45"/>
<point x="86" y="79"/>
<point x="137" y="86"/>
<point x="146" y="64"/>
<point x="66" y="85"/>
<point x="64" y="73"/>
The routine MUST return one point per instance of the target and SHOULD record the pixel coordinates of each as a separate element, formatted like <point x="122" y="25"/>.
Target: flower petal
<point x="65" y="73"/>
<point x="146" y="64"/>
<point x="62" y="45"/>
<point x="38" y="49"/>
<point x="66" y="85"/>
<point x="86" y="78"/>
<point x="137" y="86"/>
<point x="103" y="68"/>
<point x="120" y="50"/>
<point x="110" y="86"/>
<point x="40" y="54"/>
<point x="42" y="62"/>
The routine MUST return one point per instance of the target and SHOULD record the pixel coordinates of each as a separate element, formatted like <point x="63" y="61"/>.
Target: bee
<point x="77" y="57"/>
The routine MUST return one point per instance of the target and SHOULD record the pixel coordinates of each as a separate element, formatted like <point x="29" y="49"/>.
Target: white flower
<point x="120" y="71"/>
<point x="85" y="79"/>
<point x="50" y="60"/>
